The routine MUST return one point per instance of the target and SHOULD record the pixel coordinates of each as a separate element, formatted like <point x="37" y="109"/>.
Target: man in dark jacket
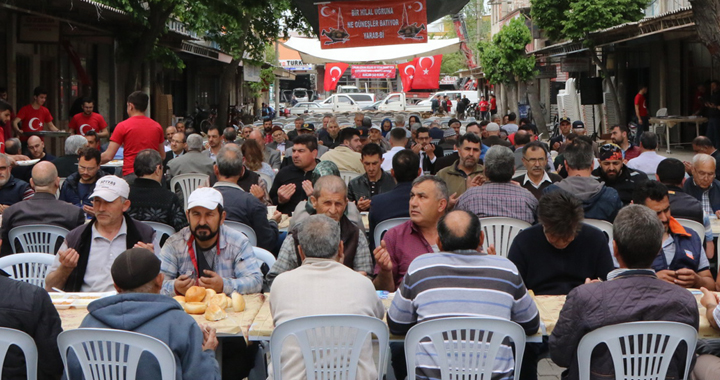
<point x="241" y="206"/>
<point x="83" y="262"/>
<point x="375" y="181"/>
<point x="78" y="186"/>
<point x="28" y="308"/>
<point x="12" y="190"/>
<point x="633" y="293"/>
<point x="599" y="201"/>
<point x="703" y="185"/>
<point x="614" y="173"/>
<point x="149" y="200"/>
<point x="289" y="187"/>
<point x="140" y="308"/>
<point x="395" y="203"/>
<point x="682" y="260"/>
<point x="42" y="208"/>
<point x="67" y="164"/>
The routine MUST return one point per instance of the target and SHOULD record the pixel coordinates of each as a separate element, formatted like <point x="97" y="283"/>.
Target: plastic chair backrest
<point x="42" y="238"/>
<point x="693" y="225"/>
<point x="244" y="228"/>
<point x="639" y="350"/>
<point x="268" y="180"/>
<point x="602" y="225"/>
<point x="161" y="229"/>
<point x="384" y="226"/>
<point x="661" y="112"/>
<point x="448" y="152"/>
<point x="113" y="354"/>
<point x="348" y="176"/>
<point x="10" y="337"/>
<point x="501" y="232"/>
<point x="28" y="267"/>
<point x="330" y="344"/>
<point x="264" y="255"/>
<point x="519" y="172"/>
<point x="470" y="357"/>
<point x="188" y="183"/>
<point x="62" y="181"/>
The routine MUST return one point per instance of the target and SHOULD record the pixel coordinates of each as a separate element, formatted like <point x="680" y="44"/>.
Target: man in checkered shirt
<point x="499" y="196"/>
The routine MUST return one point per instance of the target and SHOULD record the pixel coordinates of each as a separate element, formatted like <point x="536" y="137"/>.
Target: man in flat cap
<point x="139" y="307"/>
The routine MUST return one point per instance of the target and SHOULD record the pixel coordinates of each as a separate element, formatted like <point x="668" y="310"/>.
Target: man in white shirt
<point x="647" y="162"/>
<point x="398" y="140"/>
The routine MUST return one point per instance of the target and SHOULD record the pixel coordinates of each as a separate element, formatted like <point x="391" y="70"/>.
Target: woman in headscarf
<point x="386" y="126"/>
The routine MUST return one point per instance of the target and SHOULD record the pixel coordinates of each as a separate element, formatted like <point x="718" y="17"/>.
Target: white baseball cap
<point x="375" y="126"/>
<point x="111" y="187"/>
<point x="492" y="127"/>
<point x="205" y="197"/>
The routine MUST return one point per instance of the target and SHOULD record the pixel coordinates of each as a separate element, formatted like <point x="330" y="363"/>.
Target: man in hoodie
<point x="614" y="173"/>
<point x="140" y="308"/>
<point x="598" y="201"/>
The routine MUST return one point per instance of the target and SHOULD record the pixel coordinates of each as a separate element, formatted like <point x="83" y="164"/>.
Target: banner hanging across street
<point x="345" y="24"/>
<point x="372" y="71"/>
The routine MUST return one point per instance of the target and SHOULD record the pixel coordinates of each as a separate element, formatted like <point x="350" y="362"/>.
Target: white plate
<point x="60" y="300"/>
<point x="113" y="163"/>
<point x="82" y="300"/>
<point x="28" y="162"/>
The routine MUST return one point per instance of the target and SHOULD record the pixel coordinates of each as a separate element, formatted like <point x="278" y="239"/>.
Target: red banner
<point x="333" y="72"/>
<point x="372" y="71"/>
<point x="346" y="24"/>
<point x="407" y="73"/>
<point x="427" y="73"/>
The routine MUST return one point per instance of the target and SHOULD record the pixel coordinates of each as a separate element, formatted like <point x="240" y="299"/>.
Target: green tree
<point x="243" y="29"/>
<point x="453" y="62"/>
<point x="504" y="59"/>
<point x="577" y="19"/>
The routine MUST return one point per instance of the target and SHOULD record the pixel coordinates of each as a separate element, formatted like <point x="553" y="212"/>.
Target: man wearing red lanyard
<point x="34" y="116"/>
<point x="208" y="254"/>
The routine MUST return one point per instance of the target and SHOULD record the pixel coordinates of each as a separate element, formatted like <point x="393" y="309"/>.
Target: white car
<point x="339" y="103"/>
<point x="304" y="107"/>
<point x="452" y="94"/>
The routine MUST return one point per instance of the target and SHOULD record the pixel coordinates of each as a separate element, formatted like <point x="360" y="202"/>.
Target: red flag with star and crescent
<point x="407" y="74"/>
<point x="427" y="73"/>
<point x="333" y="72"/>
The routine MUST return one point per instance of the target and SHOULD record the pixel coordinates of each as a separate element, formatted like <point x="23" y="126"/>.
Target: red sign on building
<point x="372" y="23"/>
<point x="372" y="71"/>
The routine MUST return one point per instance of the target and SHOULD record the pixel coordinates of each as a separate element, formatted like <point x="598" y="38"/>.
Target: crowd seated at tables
<point x="320" y="225"/>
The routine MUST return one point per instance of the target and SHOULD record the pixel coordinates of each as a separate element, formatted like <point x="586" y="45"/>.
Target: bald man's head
<point x="36" y="147"/>
<point x="44" y="177"/>
<point x="459" y="230"/>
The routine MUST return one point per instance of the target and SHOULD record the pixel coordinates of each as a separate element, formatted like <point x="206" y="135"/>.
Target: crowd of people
<point x="443" y="179"/>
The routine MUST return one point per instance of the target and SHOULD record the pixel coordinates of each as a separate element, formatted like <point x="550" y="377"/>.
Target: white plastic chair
<point x="10" y="337"/>
<point x="244" y="228"/>
<point x="519" y="172"/>
<point x="348" y="176"/>
<point x="28" y="267"/>
<point x="110" y="354"/>
<point x="188" y="183"/>
<point x="330" y="344"/>
<point x="41" y="238"/>
<point x="501" y="232"/>
<point x="161" y="229"/>
<point x="693" y="225"/>
<point x="471" y="352"/>
<point x="384" y="226"/>
<point x="602" y="225"/>
<point x="62" y="181"/>
<point x="639" y="350"/>
<point x="268" y="180"/>
<point x="264" y="255"/>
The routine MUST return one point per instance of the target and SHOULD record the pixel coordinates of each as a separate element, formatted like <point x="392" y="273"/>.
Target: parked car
<point x="372" y="107"/>
<point x="364" y="99"/>
<point x="453" y="94"/>
<point x="339" y="103"/>
<point x="397" y="101"/>
<point x="304" y="107"/>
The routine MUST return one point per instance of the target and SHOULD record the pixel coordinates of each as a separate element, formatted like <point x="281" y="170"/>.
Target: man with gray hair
<point x="12" y="190"/>
<point x="194" y="161"/>
<point x="42" y="208"/>
<point x="637" y="236"/>
<point x="499" y="196"/>
<point x="329" y="197"/>
<point x="328" y="287"/>
<point x="241" y="206"/>
<point x="68" y="163"/>
<point x="703" y="185"/>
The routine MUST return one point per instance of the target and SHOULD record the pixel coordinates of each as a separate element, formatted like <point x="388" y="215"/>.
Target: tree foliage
<point x="504" y="59"/>
<point x="575" y="19"/>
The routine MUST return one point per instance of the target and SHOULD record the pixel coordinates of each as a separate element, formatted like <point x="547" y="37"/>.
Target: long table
<point x="235" y="325"/>
<point x="548" y="306"/>
<point x="670" y="122"/>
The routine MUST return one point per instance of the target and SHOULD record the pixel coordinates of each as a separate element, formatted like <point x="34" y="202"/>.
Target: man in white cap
<point x="208" y="254"/>
<point x="493" y="131"/>
<point x="83" y="262"/>
<point x="376" y="137"/>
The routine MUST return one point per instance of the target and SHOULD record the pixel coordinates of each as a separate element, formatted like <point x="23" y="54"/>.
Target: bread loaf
<point x="238" y="302"/>
<point x="215" y="313"/>
<point x="195" y="294"/>
<point x="195" y="307"/>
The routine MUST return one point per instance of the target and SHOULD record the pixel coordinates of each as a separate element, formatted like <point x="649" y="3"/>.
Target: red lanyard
<point x="191" y="250"/>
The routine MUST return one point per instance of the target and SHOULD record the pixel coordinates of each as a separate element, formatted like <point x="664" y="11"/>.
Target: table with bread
<point x="230" y="316"/>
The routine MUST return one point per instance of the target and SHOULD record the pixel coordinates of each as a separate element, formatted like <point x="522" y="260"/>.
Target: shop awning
<point x="310" y="51"/>
<point x="436" y="9"/>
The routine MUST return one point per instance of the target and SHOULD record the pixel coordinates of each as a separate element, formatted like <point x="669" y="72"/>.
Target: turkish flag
<point x="333" y="72"/>
<point x="407" y="74"/>
<point x="427" y="73"/>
